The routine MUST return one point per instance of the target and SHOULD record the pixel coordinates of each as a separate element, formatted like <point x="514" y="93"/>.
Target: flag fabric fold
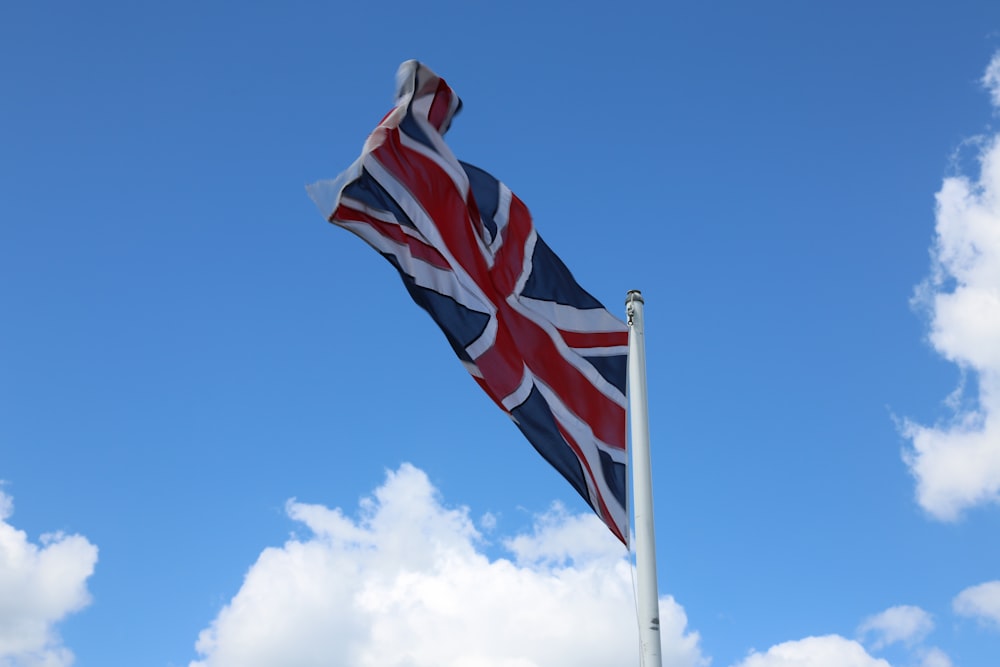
<point x="546" y="351"/>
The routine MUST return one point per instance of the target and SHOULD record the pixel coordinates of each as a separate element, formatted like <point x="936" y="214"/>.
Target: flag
<point x="546" y="351"/>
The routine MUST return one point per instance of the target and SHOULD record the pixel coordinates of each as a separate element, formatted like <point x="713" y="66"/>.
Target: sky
<point x="229" y="439"/>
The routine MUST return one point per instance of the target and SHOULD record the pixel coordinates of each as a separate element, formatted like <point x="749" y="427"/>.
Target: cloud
<point x="991" y="80"/>
<point x="982" y="602"/>
<point x="559" y="537"/>
<point x="407" y="584"/>
<point x="935" y="657"/>
<point x="904" y="623"/>
<point x="957" y="464"/>
<point x="39" y="586"/>
<point x="827" y="651"/>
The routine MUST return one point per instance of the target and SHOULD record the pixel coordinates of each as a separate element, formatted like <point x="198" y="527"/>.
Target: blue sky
<point x="227" y="437"/>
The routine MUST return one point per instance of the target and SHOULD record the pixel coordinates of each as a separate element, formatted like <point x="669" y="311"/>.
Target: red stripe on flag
<point x="438" y="113"/>
<point x="437" y="195"/>
<point x="602" y="507"/>
<point x="418" y="249"/>
<point x="584" y="340"/>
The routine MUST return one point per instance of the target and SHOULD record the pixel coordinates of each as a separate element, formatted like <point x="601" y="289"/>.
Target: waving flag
<point x="542" y="348"/>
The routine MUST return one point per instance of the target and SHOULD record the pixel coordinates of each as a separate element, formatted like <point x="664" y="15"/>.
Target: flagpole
<point x="642" y="487"/>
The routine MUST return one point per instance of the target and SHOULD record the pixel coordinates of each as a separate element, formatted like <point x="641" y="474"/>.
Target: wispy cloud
<point x="39" y="586"/>
<point x="991" y="80"/>
<point x="957" y="464"/>
<point x="408" y="583"/>
<point x="935" y="657"/>
<point x="903" y="623"/>
<point x="981" y="602"/>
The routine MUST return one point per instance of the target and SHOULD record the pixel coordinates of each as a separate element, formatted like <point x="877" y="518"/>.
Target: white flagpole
<point x="642" y="487"/>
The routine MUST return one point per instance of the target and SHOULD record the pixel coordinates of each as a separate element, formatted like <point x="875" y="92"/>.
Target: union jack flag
<point x="547" y="352"/>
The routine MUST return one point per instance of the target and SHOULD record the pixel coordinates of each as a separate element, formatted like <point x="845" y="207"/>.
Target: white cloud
<point x="6" y="505"/>
<point x="935" y="657"/>
<point x="957" y="464"/>
<point x="991" y="80"/>
<point x="39" y="586"/>
<point x="559" y="537"/>
<point x="407" y="584"/>
<point x="827" y="651"/>
<point x="904" y="623"/>
<point x="982" y="602"/>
